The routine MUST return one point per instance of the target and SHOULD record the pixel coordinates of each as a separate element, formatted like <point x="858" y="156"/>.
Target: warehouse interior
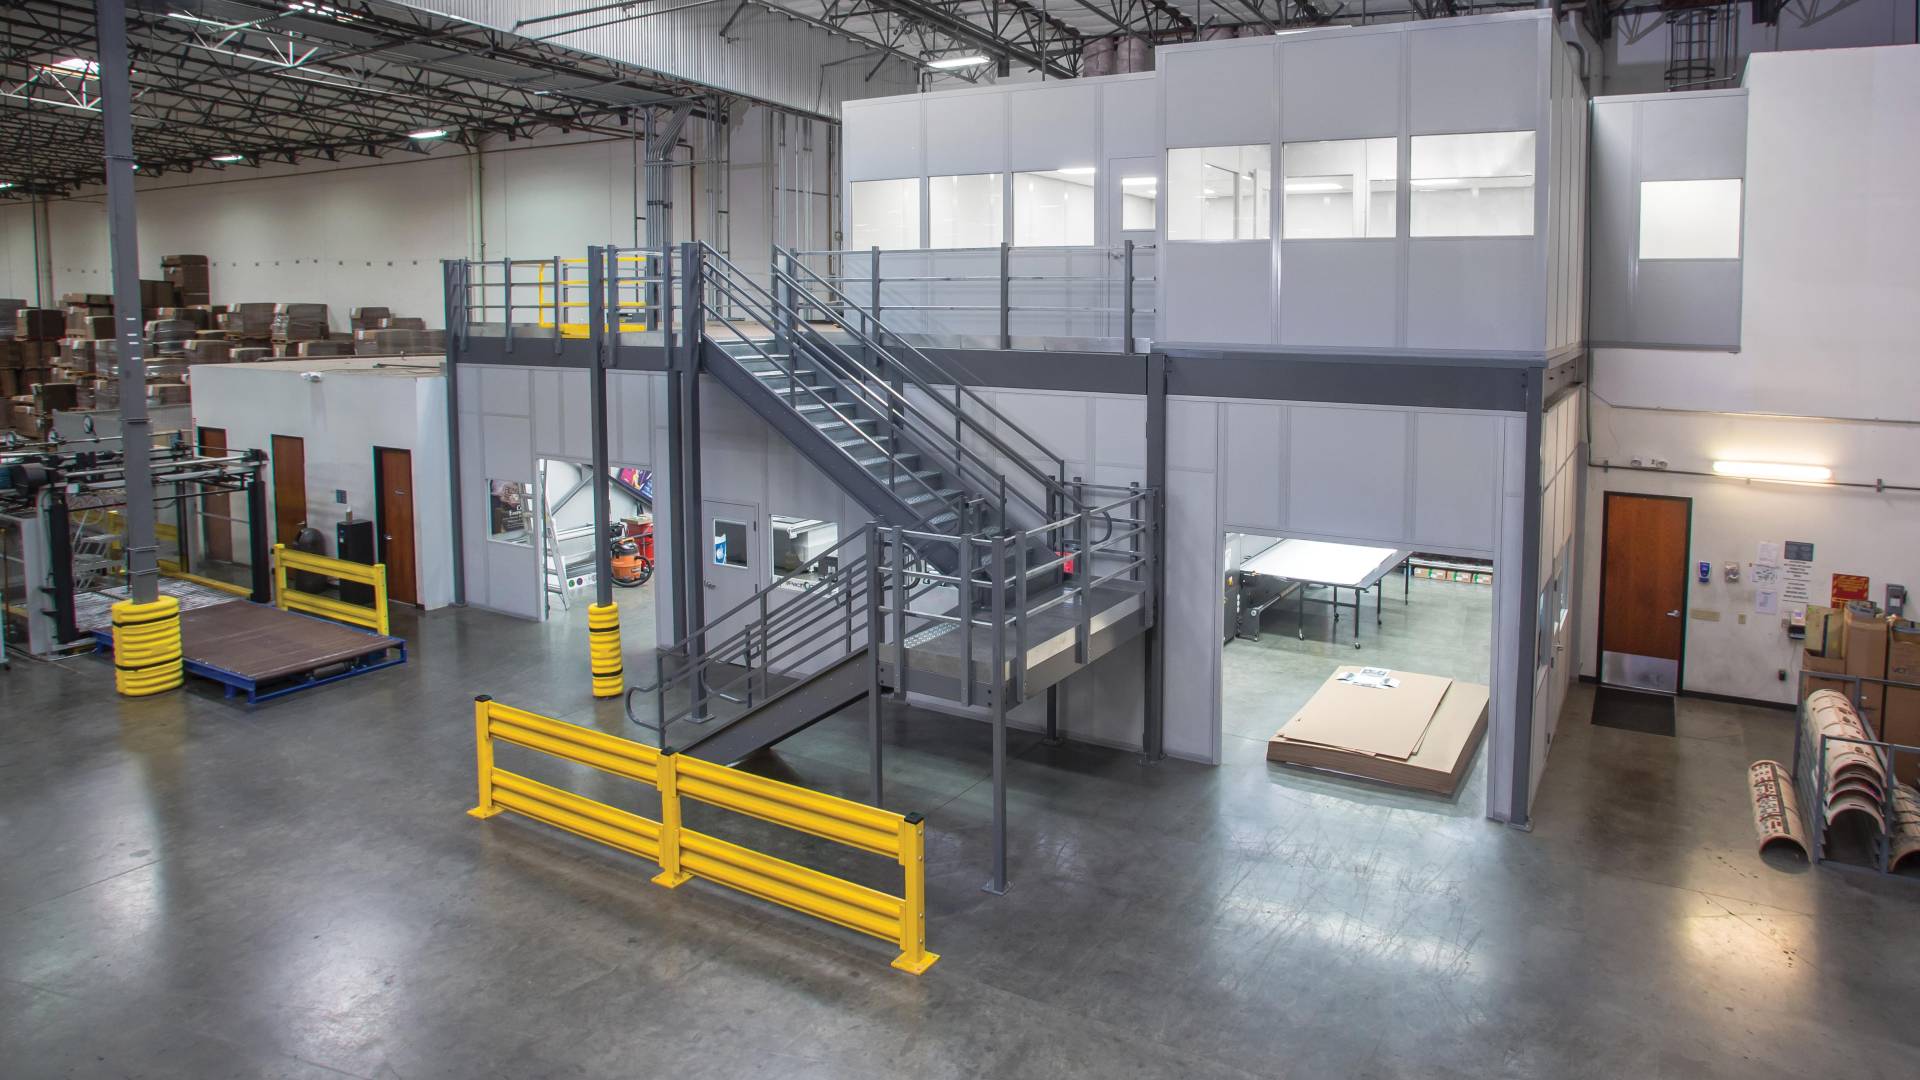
<point x="1018" y="539"/>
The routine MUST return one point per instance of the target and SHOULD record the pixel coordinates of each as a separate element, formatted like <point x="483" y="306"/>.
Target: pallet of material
<point x="1420" y="733"/>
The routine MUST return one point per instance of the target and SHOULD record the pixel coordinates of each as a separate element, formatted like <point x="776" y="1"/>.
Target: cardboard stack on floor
<point x="1858" y="639"/>
<point x="1398" y="727"/>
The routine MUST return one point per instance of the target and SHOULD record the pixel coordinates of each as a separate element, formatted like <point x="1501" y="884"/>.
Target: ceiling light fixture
<point x="1078" y="170"/>
<point x="1774" y="470"/>
<point x="229" y="159"/>
<point x="428" y="133"/>
<point x="86" y="68"/>
<point x="1140" y="181"/>
<point x="1313" y="187"/>
<point x="948" y="63"/>
<point x="6" y="185"/>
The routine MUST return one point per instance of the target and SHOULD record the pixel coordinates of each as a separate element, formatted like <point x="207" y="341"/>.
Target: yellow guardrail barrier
<point x="287" y="598"/>
<point x="552" y="309"/>
<point x="683" y="853"/>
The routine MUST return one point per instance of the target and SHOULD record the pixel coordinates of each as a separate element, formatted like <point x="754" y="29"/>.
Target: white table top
<point x="1350" y="566"/>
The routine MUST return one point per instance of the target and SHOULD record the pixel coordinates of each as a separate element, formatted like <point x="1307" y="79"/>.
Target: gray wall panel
<point x="1345" y="87"/>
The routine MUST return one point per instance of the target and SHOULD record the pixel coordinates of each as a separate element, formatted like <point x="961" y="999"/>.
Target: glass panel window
<point x="1339" y="189"/>
<point x="508" y="504"/>
<point x="800" y="547"/>
<point x="1139" y="196"/>
<point x="1220" y="193"/>
<point x="729" y="543"/>
<point x="964" y="211"/>
<point x="1053" y="209"/>
<point x="884" y="214"/>
<point x="1479" y="184"/>
<point x="1690" y="219"/>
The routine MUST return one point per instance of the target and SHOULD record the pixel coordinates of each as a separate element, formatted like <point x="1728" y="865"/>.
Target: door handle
<point x="1674" y="614"/>
<point x="711" y="585"/>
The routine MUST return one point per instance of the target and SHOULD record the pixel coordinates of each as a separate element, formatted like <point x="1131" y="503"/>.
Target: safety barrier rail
<point x="287" y="598"/>
<point x="554" y="295"/>
<point x="684" y="853"/>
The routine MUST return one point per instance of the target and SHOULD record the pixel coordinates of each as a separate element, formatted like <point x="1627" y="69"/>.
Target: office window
<point x="1338" y="189"/>
<point x="1053" y="209"/>
<point x="800" y="547"/>
<point x="884" y="214"/>
<point x="1220" y="193"/>
<point x="1139" y="197"/>
<point x="729" y="543"/>
<point x="1479" y="184"/>
<point x="1690" y="219"/>
<point x="964" y="211"/>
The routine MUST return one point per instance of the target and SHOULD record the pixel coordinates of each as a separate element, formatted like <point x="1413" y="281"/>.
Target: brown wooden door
<point x="1643" y="590"/>
<point x="393" y="472"/>
<point x="216" y="511"/>
<point x="289" y="486"/>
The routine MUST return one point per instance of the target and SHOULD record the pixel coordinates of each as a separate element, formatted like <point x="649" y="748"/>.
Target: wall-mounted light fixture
<point x="1774" y="470"/>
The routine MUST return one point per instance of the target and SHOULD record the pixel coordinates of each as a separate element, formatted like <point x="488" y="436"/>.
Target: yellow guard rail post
<point x="287" y="598"/>
<point x="684" y="853"/>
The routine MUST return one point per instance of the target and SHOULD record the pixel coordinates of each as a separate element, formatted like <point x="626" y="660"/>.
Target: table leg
<point x="1300" y="610"/>
<point x="1406" y="582"/>
<point x="1356" y="618"/>
<point x="1379" y="594"/>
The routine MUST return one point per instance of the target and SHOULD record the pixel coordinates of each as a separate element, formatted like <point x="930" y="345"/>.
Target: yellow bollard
<point x="146" y="647"/>
<point x="603" y="649"/>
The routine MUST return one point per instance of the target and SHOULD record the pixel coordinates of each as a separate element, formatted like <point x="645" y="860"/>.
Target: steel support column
<point x="597" y="403"/>
<point x="1526" y="662"/>
<point x="692" y="320"/>
<point x="143" y="568"/>
<point x="259" y="547"/>
<point x="453" y="283"/>
<point x="1153" y="732"/>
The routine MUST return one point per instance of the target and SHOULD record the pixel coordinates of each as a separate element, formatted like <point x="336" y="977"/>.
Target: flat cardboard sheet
<point x="1370" y="721"/>
<point x="1323" y="563"/>
<point x="1439" y="763"/>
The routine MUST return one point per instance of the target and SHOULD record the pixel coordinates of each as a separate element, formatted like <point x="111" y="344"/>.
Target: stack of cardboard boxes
<point x="1859" y="639"/>
<point x="191" y="276"/>
<point x="27" y="356"/>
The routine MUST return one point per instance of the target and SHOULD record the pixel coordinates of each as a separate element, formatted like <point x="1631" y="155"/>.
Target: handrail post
<point x="1083" y="569"/>
<point x="1139" y="512"/>
<point x="1020" y="557"/>
<point x="279" y="572"/>
<point x="667" y="779"/>
<point x="1126" y="301"/>
<point x="873" y="307"/>
<point x="1006" y="296"/>
<point x="483" y="757"/>
<point x="559" y="304"/>
<point x="875" y="627"/>
<point x="766" y="655"/>
<point x="965" y="609"/>
<point x="900" y="594"/>
<point x="998" y="885"/>
<point x="506" y="289"/>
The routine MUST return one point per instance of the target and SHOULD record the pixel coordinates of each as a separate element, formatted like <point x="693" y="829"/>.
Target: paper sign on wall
<point x="1796" y="576"/>
<point x="1849" y="587"/>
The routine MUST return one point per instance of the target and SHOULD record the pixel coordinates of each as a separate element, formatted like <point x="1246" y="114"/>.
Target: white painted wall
<point x="1824" y="373"/>
<point x="342" y="417"/>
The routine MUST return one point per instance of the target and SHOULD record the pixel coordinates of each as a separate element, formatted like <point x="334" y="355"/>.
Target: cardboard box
<point x="1865" y="632"/>
<point x="1903" y="706"/>
<point x="1826" y="665"/>
<point x="40" y="324"/>
<point x="1441" y="752"/>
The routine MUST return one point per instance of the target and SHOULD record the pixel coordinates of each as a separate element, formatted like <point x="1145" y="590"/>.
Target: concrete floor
<point x="189" y="889"/>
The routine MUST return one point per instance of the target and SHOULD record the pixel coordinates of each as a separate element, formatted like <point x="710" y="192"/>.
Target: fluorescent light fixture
<point x="1774" y="470"/>
<point x="1078" y="170"/>
<point x="86" y="68"/>
<point x="1436" y="183"/>
<point x="948" y="63"/>
<point x="228" y="159"/>
<point x="1313" y="187"/>
<point x="428" y="133"/>
<point x="1140" y="181"/>
<point x="5" y="185"/>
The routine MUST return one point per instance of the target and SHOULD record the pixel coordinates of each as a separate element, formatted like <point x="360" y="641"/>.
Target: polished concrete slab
<point x="192" y="889"/>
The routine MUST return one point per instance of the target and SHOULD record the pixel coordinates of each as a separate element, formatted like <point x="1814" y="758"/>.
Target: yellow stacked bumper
<point x="146" y="647"/>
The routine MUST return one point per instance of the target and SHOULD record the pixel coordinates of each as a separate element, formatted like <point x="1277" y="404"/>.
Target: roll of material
<point x="146" y="647"/>
<point x="603" y="649"/>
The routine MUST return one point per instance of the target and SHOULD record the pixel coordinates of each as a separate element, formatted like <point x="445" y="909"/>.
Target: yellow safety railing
<point x="683" y="853"/>
<point x="287" y="598"/>
<point x="553" y="308"/>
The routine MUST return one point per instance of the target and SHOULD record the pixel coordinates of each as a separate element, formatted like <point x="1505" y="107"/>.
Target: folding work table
<point x="1317" y="564"/>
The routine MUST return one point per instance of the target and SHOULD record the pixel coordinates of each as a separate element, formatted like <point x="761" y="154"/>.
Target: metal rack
<point x="1809" y="775"/>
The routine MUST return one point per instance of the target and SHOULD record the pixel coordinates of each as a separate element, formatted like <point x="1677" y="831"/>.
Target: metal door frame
<point x="1686" y="587"/>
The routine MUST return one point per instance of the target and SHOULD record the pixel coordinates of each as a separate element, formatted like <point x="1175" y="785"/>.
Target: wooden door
<point x="216" y="511"/>
<point x="393" y="474"/>
<point x="289" y="456"/>
<point x="1643" y="590"/>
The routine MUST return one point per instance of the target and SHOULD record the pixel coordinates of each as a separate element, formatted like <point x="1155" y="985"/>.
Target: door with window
<point x="1643" y="591"/>
<point x="734" y="564"/>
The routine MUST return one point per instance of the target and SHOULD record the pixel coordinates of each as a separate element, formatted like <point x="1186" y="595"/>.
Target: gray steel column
<point x="143" y="567"/>
<point x="998" y="688"/>
<point x="692" y="318"/>
<point x="453" y="277"/>
<point x="1527" y="661"/>
<point x="1153" y="733"/>
<point x="597" y="398"/>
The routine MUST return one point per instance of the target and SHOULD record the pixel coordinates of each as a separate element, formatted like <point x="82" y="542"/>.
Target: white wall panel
<point x="1475" y="293"/>
<point x="966" y="133"/>
<point x="1130" y="116"/>
<point x="1339" y="292"/>
<point x="891" y="135"/>
<point x="1220" y="94"/>
<point x="504" y="391"/>
<point x="1217" y="292"/>
<point x="1341" y="86"/>
<point x="1119" y="431"/>
<point x="1054" y="125"/>
<point x="1346" y="473"/>
<point x="1453" y="455"/>
<point x="1482" y="75"/>
<point x="1254" y="451"/>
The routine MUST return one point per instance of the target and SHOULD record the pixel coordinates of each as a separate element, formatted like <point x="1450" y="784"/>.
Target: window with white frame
<point x="1690" y="219"/>
<point x="1475" y="184"/>
<point x="965" y="211"/>
<point x="884" y="214"/>
<point x="1338" y="189"/>
<point x="1139" y="203"/>
<point x="1220" y="193"/>
<point x="1054" y="208"/>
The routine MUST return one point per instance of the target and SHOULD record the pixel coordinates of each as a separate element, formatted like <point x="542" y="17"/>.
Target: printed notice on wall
<point x="1796" y="576"/>
<point x="1848" y="587"/>
<point x="1766" y="578"/>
